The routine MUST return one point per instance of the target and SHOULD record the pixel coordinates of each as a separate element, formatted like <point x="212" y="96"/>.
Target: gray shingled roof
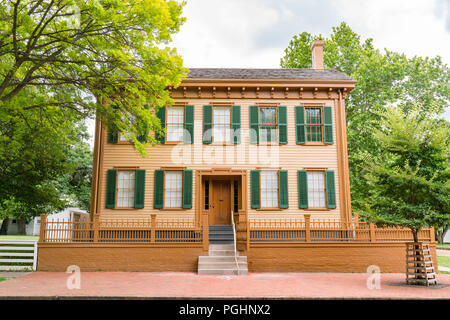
<point x="238" y="73"/>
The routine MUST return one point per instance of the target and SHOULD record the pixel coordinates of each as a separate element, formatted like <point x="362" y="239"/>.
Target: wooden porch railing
<point x="159" y="230"/>
<point x="151" y="230"/>
<point x="324" y="230"/>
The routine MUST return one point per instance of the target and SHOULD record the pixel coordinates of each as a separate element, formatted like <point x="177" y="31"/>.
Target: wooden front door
<point x="221" y="203"/>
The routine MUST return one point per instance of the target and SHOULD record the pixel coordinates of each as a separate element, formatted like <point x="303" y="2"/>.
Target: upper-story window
<point x="314" y="125"/>
<point x="222" y="124"/>
<point x="268" y="124"/>
<point x="175" y="124"/>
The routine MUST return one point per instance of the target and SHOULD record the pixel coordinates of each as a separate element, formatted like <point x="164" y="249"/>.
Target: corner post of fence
<point x="205" y="231"/>
<point x="96" y="227"/>
<point x="432" y="234"/>
<point x="153" y="229"/>
<point x="308" y="227"/>
<point x="35" y="254"/>
<point x="42" y="228"/>
<point x="372" y="232"/>
<point x="356" y="220"/>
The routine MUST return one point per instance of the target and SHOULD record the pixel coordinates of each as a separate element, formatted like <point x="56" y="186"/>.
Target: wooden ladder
<point x="419" y="264"/>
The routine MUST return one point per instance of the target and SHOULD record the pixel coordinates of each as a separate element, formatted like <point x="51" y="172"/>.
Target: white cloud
<point x="414" y="27"/>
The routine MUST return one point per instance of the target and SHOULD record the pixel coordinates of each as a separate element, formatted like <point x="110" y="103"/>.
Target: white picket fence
<point x="18" y="255"/>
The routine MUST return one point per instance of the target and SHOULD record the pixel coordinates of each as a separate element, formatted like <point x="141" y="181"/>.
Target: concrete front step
<point x="223" y="271"/>
<point x="221" y="261"/>
<point x="222" y="265"/>
<point x="213" y="247"/>
<point x="222" y="253"/>
<point x="216" y="259"/>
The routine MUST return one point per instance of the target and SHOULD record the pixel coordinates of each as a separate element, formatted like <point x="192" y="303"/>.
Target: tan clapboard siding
<point x="292" y="157"/>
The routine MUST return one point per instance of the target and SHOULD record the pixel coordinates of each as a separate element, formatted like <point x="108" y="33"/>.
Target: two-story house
<point x="264" y="150"/>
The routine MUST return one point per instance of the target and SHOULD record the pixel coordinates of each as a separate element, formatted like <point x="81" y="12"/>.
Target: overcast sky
<point x="254" y="33"/>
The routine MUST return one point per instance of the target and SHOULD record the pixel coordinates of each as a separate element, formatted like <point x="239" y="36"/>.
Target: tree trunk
<point x="4" y="228"/>
<point x="415" y="233"/>
<point x="21" y="226"/>
<point x="440" y="234"/>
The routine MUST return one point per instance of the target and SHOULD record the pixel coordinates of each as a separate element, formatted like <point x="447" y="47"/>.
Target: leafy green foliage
<point x="383" y="78"/>
<point x="88" y="55"/>
<point x="62" y="62"/>
<point x="409" y="184"/>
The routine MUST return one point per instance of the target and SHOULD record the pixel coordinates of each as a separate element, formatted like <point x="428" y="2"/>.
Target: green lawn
<point x="2" y="279"/>
<point x="443" y="245"/>
<point x="443" y="261"/>
<point x="14" y="237"/>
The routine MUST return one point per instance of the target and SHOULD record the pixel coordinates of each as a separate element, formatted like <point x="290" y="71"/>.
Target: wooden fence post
<point x="308" y="227"/>
<point x="153" y="229"/>
<point x="42" y="228"/>
<point x="432" y="234"/>
<point x="96" y="226"/>
<point x="372" y="232"/>
<point x="356" y="220"/>
<point x="205" y="231"/>
<point x="247" y="230"/>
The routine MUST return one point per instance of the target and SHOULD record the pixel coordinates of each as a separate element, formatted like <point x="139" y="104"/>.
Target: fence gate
<point x="18" y="255"/>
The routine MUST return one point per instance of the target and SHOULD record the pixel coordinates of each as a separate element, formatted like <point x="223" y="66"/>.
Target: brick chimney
<point x="317" y="55"/>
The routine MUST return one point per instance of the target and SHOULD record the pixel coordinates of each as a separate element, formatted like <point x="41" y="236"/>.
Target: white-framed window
<point x="125" y="188"/>
<point x="175" y="124"/>
<point x="316" y="189"/>
<point x="268" y="123"/>
<point x="222" y="124"/>
<point x="173" y="189"/>
<point x="269" y="189"/>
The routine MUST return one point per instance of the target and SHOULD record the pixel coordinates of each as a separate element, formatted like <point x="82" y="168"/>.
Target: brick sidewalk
<point x="191" y="285"/>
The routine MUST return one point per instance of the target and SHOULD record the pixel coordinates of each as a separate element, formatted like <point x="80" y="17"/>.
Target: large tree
<point x="409" y="182"/>
<point x="63" y="61"/>
<point x="384" y="78"/>
<point x="86" y="55"/>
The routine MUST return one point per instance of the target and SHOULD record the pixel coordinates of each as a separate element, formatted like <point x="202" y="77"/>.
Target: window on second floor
<point x="268" y="124"/>
<point x="175" y="124"/>
<point x="314" y="125"/>
<point x="222" y="124"/>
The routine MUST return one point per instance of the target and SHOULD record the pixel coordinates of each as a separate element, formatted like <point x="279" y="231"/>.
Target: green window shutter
<point x="139" y="191"/>
<point x="236" y="123"/>
<point x="113" y="136"/>
<point x="161" y="114"/>
<point x="302" y="189"/>
<point x="283" y="197"/>
<point x="158" y="194"/>
<point x="254" y="124"/>
<point x="331" y="189"/>
<point x="143" y="138"/>
<point x="300" y="124"/>
<point x="189" y="124"/>
<point x="207" y="124"/>
<point x="328" y="125"/>
<point x="255" y="189"/>
<point x="111" y="178"/>
<point x="282" y="125"/>
<point x="187" y="189"/>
